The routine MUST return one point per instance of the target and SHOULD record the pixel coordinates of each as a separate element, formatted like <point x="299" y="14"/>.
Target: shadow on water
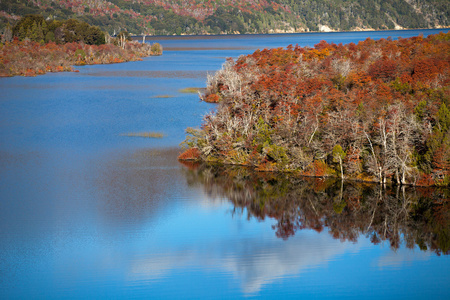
<point x="415" y="216"/>
<point x="135" y="187"/>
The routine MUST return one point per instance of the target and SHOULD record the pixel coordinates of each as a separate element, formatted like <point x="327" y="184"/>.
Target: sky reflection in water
<point x="88" y="213"/>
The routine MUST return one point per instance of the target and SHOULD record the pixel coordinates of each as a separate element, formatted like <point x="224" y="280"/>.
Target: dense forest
<point x="167" y="17"/>
<point x="37" y="29"/>
<point x="372" y="111"/>
<point x="347" y="210"/>
<point x="36" y="46"/>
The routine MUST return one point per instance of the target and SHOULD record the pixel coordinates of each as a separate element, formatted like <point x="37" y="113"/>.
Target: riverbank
<point x="27" y="58"/>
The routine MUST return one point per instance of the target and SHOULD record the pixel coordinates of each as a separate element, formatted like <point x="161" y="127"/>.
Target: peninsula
<point x="373" y="111"/>
<point x="36" y="46"/>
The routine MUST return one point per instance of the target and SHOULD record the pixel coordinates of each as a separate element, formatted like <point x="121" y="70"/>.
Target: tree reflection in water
<point x="412" y="215"/>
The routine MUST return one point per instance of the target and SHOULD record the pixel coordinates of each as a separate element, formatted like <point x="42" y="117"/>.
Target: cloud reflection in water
<point x="185" y="237"/>
<point x="248" y="250"/>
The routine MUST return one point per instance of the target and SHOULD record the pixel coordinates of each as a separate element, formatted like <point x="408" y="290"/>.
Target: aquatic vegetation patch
<point x="192" y="90"/>
<point x="144" y="134"/>
<point x="163" y="96"/>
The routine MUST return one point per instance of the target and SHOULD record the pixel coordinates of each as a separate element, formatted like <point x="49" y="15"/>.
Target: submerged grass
<point x="163" y="96"/>
<point x="192" y="90"/>
<point x="144" y="134"/>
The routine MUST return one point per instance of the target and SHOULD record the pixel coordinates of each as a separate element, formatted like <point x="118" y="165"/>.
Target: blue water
<point x="252" y="42"/>
<point x="86" y="212"/>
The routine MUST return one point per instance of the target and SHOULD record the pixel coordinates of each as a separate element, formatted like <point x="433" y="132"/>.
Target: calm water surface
<point x="86" y="212"/>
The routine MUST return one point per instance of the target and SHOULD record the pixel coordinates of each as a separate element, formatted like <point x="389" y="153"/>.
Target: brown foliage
<point x="212" y="98"/>
<point x="190" y="154"/>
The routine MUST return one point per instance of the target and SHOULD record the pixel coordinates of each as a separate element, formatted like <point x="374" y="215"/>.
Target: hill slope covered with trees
<point x="372" y="111"/>
<point x="233" y="16"/>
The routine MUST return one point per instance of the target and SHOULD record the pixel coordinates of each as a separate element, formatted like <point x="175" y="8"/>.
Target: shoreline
<point x="196" y="163"/>
<point x="246" y="35"/>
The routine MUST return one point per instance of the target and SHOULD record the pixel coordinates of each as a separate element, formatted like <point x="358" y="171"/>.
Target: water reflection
<point x="255" y="263"/>
<point x="127" y="224"/>
<point x="172" y="228"/>
<point x="416" y="216"/>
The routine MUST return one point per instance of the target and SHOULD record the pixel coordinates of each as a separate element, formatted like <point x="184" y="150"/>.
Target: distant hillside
<point x="167" y="17"/>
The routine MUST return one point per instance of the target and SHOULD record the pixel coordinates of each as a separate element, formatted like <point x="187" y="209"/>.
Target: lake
<point x="88" y="211"/>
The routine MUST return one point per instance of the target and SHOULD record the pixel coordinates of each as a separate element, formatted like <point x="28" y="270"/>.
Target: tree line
<point x="37" y="29"/>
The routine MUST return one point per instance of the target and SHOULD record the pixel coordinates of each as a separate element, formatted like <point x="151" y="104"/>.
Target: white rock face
<point x="325" y="28"/>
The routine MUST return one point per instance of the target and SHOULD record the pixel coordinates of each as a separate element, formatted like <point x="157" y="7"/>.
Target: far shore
<point x="247" y="35"/>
